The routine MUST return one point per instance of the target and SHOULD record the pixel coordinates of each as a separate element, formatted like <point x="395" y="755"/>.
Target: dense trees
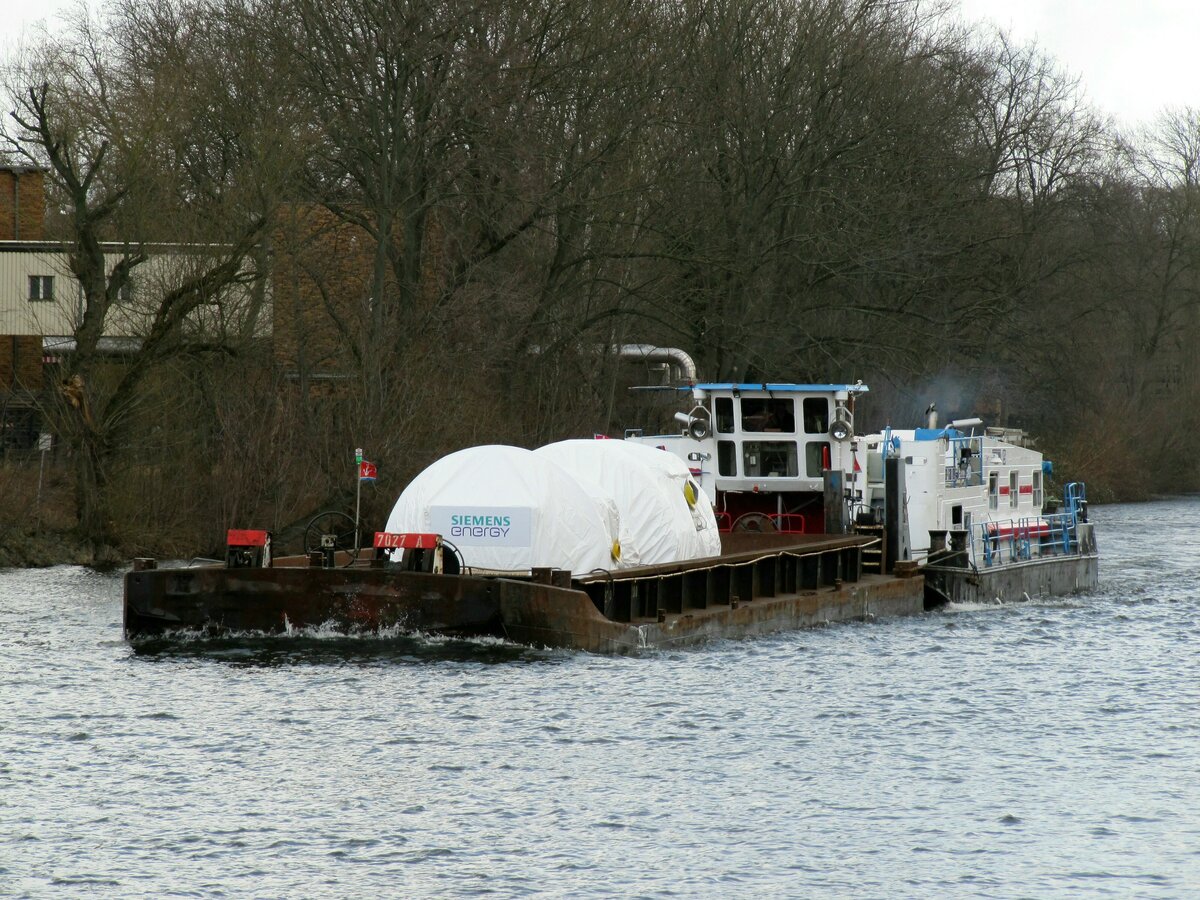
<point x="139" y="150"/>
<point x="451" y="210"/>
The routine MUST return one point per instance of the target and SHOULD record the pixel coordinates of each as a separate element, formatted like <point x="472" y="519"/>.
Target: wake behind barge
<point x="761" y="583"/>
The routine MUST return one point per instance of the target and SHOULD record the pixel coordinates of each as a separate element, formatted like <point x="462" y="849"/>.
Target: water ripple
<point x="1043" y="748"/>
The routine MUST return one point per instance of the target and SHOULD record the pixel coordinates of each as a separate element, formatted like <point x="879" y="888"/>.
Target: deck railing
<point x="1015" y="540"/>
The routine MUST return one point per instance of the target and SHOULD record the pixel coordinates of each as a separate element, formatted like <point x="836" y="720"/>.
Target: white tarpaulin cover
<point x="658" y="524"/>
<point x="508" y="510"/>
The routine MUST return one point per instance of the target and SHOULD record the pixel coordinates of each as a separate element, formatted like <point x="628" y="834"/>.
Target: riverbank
<point x="37" y="520"/>
<point x="22" y="549"/>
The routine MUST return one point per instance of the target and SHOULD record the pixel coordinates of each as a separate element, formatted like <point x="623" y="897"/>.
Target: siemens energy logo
<point x="483" y="526"/>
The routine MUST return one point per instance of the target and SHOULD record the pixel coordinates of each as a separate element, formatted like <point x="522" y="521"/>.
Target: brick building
<point x="22" y="220"/>
<point x="41" y="303"/>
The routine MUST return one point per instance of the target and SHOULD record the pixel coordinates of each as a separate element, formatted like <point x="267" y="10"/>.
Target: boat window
<point x="816" y="457"/>
<point x="768" y="414"/>
<point x="1037" y="489"/>
<point x="816" y="415"/>
<point x="724" y="408"/>
<point x="726" y="458"/>
<point x="769" y="459"/>
<point x="967" y="459"/>
<point x="993" y="490"/>
<point x="1014" y="490"/>
<point x="956" y="516"/>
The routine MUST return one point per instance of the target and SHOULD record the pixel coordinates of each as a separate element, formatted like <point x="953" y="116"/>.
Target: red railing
<point x="789" y="523"/>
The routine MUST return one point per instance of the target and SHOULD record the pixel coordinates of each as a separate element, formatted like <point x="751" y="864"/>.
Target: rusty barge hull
<point x="761" y="584"/>
<point x="213" y="600"/>
<point x="548" y="621"/>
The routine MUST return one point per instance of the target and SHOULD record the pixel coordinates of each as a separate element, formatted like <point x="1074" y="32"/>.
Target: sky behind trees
<point x="1132" y="56"/>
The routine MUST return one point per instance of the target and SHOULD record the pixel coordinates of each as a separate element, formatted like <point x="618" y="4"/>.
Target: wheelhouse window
<point x="41" y="287"/>
<point x="761" y="414"/>
<point x="816" y="415"/>
<point x="727" y="458"/>
<point x="816" y="458"/>
<point x="993" y="490"/>
<point x="1014" y="490"/>
<point x="769" y="459"/>
<point x="723" y="408"/>
<point x="1037" y="489"/>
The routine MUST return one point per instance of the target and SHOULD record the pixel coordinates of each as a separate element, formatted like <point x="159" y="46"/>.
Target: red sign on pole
<point x="366" y="471"/>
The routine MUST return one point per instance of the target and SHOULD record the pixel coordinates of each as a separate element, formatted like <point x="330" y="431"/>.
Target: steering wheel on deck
<point x="756" y="522"/>
<point x="331" y="531"/>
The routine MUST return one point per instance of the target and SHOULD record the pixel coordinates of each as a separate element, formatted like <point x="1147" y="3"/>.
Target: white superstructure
<point x="784" y="457"/>
<point x="960" y="481"/>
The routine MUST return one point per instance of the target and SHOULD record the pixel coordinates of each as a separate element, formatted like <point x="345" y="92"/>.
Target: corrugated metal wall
<point x="22" y="316"/>
<point x="129" y="317"/>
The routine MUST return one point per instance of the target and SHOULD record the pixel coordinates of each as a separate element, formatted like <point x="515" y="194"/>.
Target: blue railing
<point x="1014" y="540"/>
<point x="1075" y="497"/>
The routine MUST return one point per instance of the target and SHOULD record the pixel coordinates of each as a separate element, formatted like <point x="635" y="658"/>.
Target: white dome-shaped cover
<point x="507" y="510"/>
<point x="658" y="524"/>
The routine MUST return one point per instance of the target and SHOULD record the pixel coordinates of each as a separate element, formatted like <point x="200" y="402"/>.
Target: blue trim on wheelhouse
<point x="780" y="388"/>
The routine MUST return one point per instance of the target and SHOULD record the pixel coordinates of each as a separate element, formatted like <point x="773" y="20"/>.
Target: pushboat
<point x="816" y="525"/>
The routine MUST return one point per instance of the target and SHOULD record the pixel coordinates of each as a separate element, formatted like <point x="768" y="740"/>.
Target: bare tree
<point x="115" y="135"/>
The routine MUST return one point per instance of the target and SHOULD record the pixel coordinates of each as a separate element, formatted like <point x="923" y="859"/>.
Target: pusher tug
<point x="615" y="546"/>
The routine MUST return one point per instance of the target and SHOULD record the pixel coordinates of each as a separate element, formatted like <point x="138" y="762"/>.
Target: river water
<point x="1036" y="749"/>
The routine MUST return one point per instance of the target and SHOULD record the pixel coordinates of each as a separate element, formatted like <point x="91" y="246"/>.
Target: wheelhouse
<point x="763" y="451"/>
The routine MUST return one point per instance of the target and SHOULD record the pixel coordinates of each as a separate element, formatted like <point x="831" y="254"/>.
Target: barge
<point x="808" y="523"/>
<point x="763" y="583"/>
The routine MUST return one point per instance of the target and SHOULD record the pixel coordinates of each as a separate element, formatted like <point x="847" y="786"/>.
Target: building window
<point x="41" y="287"/>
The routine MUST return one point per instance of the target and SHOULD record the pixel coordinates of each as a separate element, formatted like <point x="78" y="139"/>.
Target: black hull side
<point x="222" y="603"/>
<point x="275" y="601"/>
<point x="1047" y="576"/>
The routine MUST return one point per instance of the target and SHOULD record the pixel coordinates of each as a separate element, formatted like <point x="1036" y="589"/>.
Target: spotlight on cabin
<point x="842" y="425"/>
<point x="695" y="424"/>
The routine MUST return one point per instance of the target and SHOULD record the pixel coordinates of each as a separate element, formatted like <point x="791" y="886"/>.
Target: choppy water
<point x="1038" y="749"/>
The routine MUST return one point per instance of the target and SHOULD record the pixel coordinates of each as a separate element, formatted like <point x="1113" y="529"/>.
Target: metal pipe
<point x="650" y="352"/>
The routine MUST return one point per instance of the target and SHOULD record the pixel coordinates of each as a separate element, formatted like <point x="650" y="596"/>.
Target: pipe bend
<point x="649" y="352"/>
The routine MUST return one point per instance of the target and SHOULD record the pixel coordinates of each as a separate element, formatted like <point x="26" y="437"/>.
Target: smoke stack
<point x="931" y="416"/>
